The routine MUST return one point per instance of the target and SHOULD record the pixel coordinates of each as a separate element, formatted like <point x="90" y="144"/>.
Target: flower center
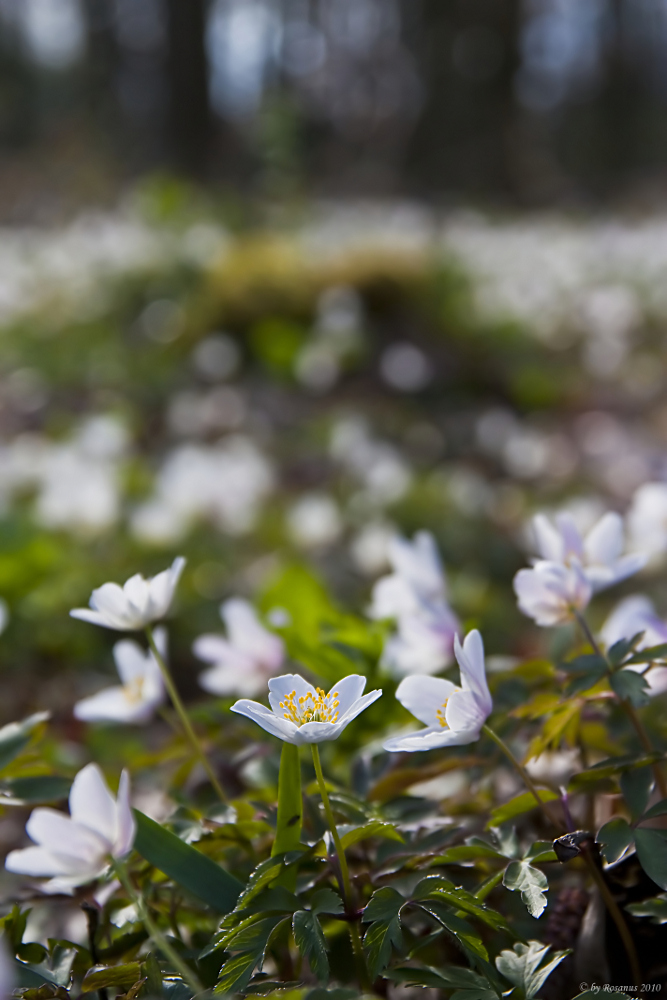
<point x="134" y="691"/>
<point x="318" y="707"/>
<point x="440" y="714"/>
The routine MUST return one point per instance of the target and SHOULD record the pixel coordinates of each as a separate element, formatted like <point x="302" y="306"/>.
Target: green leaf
<point x="466" y="936"/>
<point x="384" y="904"/>
<point x="650" y="654"/>
<point x="436" y="887"/>
<point x="618" y="652"/>
<point x="378" y="941"/>
<point x="326" y="901"/>
<point x="659" y="809"/>
<point x="16" y="735"/>
<point x="38" y="788"/>
<point x="598" y="776"/>
<point x="185" y="865"/>
<point x="522" y="966"/>
<point x="655" y="908"/>
<point x="628" y="684"/>
<point x="469" y="984"/>
<point x="637" y="787"/>
<point x="236" y="972"/>
<point x="374" y="828"/>
<point x="310" y="942"/>
<point x="517" y="806"/>
<point x="119" y="976"/>
<point x="290" y="802"/>
<point x="530" y="882"/>
<point x="464" y="853"/>
<point x="651" y="848"/>
<point x="265" y="873"/>
<point x="614" y="838"/>
<point x="589" y="663"/>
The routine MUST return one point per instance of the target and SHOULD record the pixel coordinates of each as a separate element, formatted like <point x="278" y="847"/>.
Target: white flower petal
<point x="548" y="540"/>
<point x="464" y="714"/>
<point x="112" y="705"/>
<point x="470" y="657"/>
<point x="96" y="618"/>
<point x="36" y="861"/>
<point x="358" y="707"/>
<point x="316" y="732"/>
<point x="604" y="542"/>
<point x="429" y="739"/>
<point x="75" y="843"/>
<point x="125" y="822"/>
<point x="423" y="696"/>
<point x="225" y="679"/>
<point x="281" y="728"/>
<point x="247" y="634"/>
<point x="348" y="690"/>
<point x="92" y="804"/>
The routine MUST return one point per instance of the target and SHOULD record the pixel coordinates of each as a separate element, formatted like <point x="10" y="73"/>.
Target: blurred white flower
<point x="227" y="483"/>
<point x="75" y="849"/>
<point x="136" y="604"/>
<point x="551" y="593"/>
<point x="633" y="615"/>
<point x="301" y="713"/>
<point x="380" y="469"/>
<point x="416" y="595"/>
<point x="598" y="553"/>
<point x="243" y="661"/>
<point x="142" y="689"/>
<point x="647" y="520"/>
<point x="314" y="521"/>
<point x="452" y="715"/>
<point x="370" y="547"/>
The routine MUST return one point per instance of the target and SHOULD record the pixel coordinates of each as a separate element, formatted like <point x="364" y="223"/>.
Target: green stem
<point x="521" y="771"/>
<point x="628" y="708"/>
<point x="344" y="880"/>
<point x="183" y="715"/>
<point x="488" y="885"/>
<point x="185" y="972"/>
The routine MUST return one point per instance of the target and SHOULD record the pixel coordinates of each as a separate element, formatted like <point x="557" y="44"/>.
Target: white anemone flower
<point x="415" y="594"/>
<point x="551" y="593"/>
<point x="633" y="615"/>
<point x="136" y="604"/>
<point x="142" y="690"/>
<point x="452" y="715"/>
<point x="599" y="552"/>
<point x="73" y="850"/>
<point x="243" y="661"/>
<point x="300" y="713"/>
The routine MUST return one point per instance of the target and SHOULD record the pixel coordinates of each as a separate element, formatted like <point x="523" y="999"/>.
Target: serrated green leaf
<point x="618" y="652"/>
<point x="236" y="972"/>
<point x="310" y="942"/>
<point x="649" y="655"/>
<point x="630" y="686"/>
<point x="464" y="933"/>
<point x="464" y="853"/>
<point x="651" y="847"/>
<point x="440" y="889"/>
<point x="614" y="838"/>
<point x="468" y="983"/>
<point x="384" y="904"/>
<point x="185" y="865"/>
<point x="522" y="966"/>
<point x="520" y="804"/>
<point x="637" y="787"/>
<point x="378" y="942"/>
<point x="530" y="882"/>
<point x="119" y="976"/>
<point x="326" y="901"/>
<point x="38" y="788"/>
<point x="589" y="663"/>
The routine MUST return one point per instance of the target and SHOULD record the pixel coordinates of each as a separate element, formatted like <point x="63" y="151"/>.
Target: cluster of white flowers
<point x="415" y="594"/>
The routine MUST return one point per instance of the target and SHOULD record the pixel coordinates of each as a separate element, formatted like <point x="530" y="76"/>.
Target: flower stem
<point x="593" y="869"/>
<point x="183" y="715"/>
<point x="344" y="880"/>
<point x="628" y="708"/>
<point x="185" y="972"/>
<point x="523" y="774"/>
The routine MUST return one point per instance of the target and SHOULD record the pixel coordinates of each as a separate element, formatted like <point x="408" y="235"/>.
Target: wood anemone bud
<point x="568" y="847"/>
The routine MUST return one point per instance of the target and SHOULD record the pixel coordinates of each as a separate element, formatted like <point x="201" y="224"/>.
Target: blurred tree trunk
<point x="467" y="54"/>
<point x="190" y="111"/>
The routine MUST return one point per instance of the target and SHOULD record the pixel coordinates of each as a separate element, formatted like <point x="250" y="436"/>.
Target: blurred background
<point x="279" y="278"/>
<point x="525" y="102"/>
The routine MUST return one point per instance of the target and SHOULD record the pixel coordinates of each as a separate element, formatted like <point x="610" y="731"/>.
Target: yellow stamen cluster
<point x="134" y="690"/>
<point x="440" y="714"/>
<point x="319" y="707"/>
